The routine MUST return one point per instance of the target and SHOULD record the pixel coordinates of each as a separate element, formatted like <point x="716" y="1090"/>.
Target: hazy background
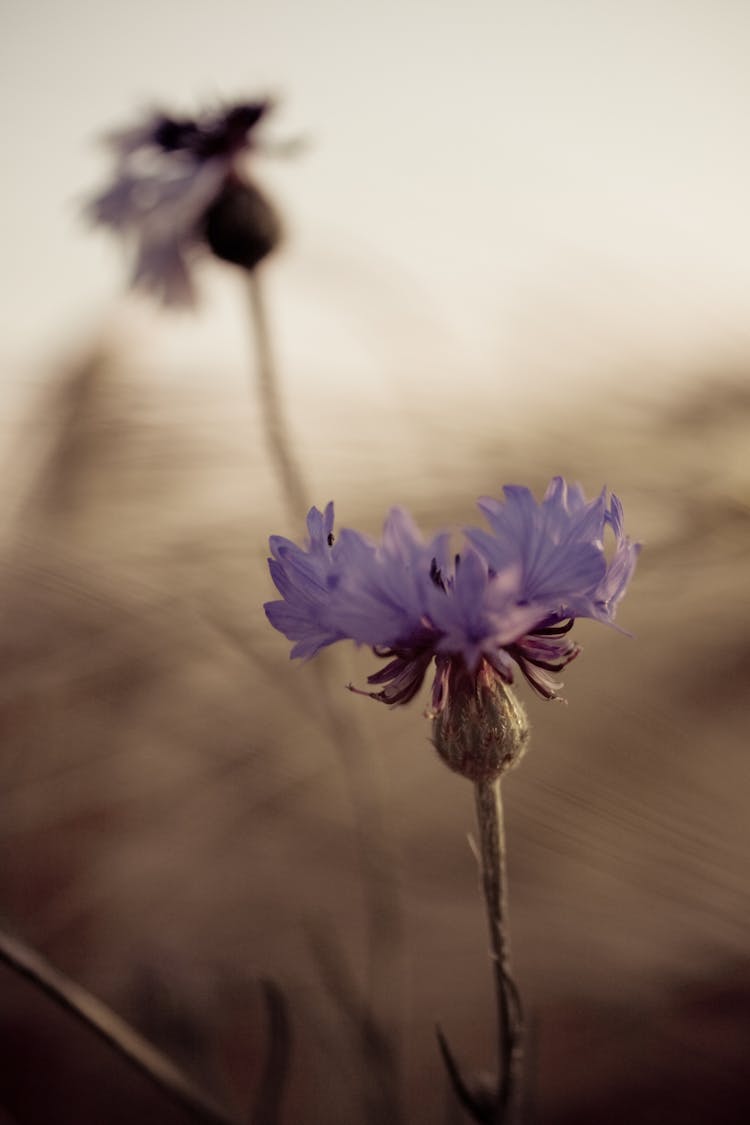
<point x="517" y="245"/>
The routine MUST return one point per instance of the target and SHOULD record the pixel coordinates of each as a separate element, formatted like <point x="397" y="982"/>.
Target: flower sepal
<point x="482" y="730"/>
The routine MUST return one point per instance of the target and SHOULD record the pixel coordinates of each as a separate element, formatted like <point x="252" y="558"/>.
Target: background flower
<point x="177" y="186"/>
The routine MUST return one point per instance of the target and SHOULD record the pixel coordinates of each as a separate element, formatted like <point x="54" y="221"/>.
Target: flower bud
<point x="241" y="226"/>
<point x="483" y="729"/>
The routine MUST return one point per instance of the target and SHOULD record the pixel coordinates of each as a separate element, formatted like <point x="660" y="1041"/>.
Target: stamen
<point x="436" y="574"/>
<point x="555" y="630"/>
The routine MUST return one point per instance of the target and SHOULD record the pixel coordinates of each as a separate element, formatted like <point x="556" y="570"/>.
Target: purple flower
<point x="507" y="600"/>
<point x="305" y="580"/>
<point x="175" y="189"/>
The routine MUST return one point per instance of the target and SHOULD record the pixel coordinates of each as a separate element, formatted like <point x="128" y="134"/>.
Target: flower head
<point x="177" y="187"/>
<point x="506" y="601"/>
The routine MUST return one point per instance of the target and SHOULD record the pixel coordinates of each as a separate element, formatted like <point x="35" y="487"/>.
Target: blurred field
<point x="175" y="827"/>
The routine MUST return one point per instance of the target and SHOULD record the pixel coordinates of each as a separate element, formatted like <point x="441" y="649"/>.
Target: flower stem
<point x="274" y="425"/>
<point x="383" y="911"/>
<point x="380" y="1017"/>
<point x="494" y="884"/>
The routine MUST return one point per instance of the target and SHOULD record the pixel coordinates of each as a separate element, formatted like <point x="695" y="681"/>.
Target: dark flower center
<point x="172" y="135"/>
<point x="227" y="135"/>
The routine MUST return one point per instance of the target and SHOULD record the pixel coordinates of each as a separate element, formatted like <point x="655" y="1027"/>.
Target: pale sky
<point x="542" y="186"/>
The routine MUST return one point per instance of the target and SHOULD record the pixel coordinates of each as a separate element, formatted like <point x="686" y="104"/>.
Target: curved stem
<point x="494" y="884"/>
<point x="115" y="1032"/>
<point x="274" y="425"/>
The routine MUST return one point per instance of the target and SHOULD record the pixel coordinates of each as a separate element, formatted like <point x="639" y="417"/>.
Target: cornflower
<point x="178" y="188"/>
<point x="506" y="602"/>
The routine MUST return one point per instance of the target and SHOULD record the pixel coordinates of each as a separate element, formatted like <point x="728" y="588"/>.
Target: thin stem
<point x="376" y="862"/>
<point x="274" y="425"/>
<point x="494" y="883"/>
<point x="126" y="1042"/>
<point x="382" y="902"/>
<point x="267" y="1109"/>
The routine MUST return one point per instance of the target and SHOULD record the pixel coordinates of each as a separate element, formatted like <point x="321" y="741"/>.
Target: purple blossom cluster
<point x="506" y="601"/>
<point x="168" y="173"/>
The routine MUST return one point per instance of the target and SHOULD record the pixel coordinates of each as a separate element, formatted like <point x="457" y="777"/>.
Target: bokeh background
<point x="517" y="244"/>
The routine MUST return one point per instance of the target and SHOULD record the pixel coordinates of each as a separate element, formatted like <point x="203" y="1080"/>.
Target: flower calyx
<point x="241" y="226"/>
<point x="483" y="730"/>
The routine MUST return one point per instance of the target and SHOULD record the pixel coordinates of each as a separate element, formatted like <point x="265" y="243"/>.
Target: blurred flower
<point x="177" y="187"/>
<point x="507" y="600"/>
